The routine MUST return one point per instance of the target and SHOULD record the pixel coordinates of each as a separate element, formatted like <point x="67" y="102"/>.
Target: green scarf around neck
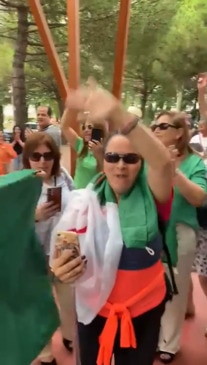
<point x="137" y="210"/>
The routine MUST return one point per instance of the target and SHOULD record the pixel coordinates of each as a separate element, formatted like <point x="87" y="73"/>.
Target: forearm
<point x="67" y="119"/>
<point x="193" y="193"/>
<point x="21" y="143"/>
<point x="144" y="142"/>
<point x="202" y="103"/>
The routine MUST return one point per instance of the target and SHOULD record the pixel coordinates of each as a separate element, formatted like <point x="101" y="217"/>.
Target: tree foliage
<point x="167" y="48"/>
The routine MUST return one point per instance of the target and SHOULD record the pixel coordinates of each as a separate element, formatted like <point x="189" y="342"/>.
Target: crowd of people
<point x="137" y="204"/>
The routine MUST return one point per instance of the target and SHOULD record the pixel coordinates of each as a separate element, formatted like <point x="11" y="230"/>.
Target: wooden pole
<point x="121" y="46"/>
<point x="74" y="58"/>
<point x="45" y="34"/>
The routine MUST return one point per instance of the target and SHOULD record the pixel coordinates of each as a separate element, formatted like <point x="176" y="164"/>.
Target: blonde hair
<point x="178" y="119"/>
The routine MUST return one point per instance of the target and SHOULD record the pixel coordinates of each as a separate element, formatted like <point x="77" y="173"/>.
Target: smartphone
<point x="97" y="134"/>
<point x="67" y="240"/>
<point x="55" y="195"/>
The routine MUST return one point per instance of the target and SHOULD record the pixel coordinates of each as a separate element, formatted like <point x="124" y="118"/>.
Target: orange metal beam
<point x="74" y="58"/>
<point x="45" y="34"/>
<point x="73" y="43"/>
<point x="121" y="46"/>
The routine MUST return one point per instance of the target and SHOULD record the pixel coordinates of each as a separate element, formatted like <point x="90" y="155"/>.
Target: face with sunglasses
<point x="166" y="131"/>
<point x="42" y="159"/>
<point x="86" y="129"/>
<point x="121" y="164"/>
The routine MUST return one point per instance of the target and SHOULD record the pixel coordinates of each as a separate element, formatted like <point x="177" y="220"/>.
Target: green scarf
<point x="137" y="210"/>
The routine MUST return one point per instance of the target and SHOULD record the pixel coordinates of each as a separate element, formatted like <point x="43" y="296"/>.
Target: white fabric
<point x="174" y="315"/>
<point x="44" y="229"/>
<point x="101" y="244"/>
<point x="198" y="138"/>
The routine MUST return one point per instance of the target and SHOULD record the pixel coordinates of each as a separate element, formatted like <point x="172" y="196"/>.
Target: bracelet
<point x="128" y="128"/>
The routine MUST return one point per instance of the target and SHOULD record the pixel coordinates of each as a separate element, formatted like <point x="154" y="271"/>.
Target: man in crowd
<point x="44" y="114"/>
<point x="44" y="121"/>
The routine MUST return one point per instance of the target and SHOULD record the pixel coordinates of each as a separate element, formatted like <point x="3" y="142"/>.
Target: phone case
<point x="55" y="195"/>
<point x="67" y="240"/>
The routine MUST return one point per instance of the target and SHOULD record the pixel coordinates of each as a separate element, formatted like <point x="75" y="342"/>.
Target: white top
<point x="44" y="229"/>
<point x="198" y="138"/>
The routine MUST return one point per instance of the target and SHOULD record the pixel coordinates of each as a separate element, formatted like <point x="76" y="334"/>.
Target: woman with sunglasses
<point x="89" y="152"/>
<point x="181" y="231"/>
<point x="121" y="293"/>
<point x="42" y="154"/>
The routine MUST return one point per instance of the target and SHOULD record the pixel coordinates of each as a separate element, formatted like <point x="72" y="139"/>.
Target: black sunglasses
<point x="128" y="158"/>
<point x="88" y="126"/>
<point x="36" y="156"/>
<point x="163" y="126"/>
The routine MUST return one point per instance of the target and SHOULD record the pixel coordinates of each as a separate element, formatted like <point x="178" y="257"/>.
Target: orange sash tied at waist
<point x="121" y="312"/>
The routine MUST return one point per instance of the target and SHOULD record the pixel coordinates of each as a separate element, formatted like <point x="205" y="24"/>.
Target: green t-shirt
<point x="194" y="169"/>
<point x="86" y="167"/>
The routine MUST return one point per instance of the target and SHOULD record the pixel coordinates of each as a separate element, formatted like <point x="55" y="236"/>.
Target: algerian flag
<point x="28" y="314"/>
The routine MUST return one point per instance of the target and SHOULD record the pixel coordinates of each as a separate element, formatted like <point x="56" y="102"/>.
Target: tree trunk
<point x="179" y="99"/>
<point x="144" y="99"/>
<point x="18" y="79"/>
<point x="1" y="117"/>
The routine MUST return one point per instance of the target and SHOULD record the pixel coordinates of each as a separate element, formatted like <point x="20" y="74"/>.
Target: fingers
<point x="75" y="274"/>
<point x="66" y="269"/>
<point x="40" y="173"/>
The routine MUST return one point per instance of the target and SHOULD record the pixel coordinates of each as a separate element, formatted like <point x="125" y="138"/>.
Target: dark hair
<point x="22" y="132"/>
<point x="38" y="139"/>
<point x="101" y="126"/>
<point x="178" y="119"/>
<point x="49" y="111"/>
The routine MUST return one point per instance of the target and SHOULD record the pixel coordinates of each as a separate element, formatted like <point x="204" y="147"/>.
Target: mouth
<point x="121" y="176"/>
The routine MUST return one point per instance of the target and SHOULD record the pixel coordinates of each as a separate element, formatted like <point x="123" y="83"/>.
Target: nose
<point x="121" y="164"/>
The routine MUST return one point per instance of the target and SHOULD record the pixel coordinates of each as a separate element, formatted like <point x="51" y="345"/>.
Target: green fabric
<point x="137" y="210"/>
<point x="86" y="167"/>
<point x="28" y="313"/>
<point x="194" y="168"/>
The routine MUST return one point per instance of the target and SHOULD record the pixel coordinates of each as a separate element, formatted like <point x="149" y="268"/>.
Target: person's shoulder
<point x="54" y="129"/>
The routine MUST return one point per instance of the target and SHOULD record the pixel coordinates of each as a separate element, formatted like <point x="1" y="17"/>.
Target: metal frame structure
<point x="73" y="7"/>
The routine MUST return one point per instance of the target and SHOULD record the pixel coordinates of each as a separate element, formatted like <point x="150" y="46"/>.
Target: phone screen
<point x="55" y="195"/>
<point x="97" y="134"/>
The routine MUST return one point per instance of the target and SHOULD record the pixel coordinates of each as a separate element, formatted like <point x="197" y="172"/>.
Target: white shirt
<point x="45" y="228"/>
<point x="198" y="138"/>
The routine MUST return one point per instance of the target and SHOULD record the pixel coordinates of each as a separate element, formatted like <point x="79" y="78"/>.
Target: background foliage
<point x="167" y="49"/>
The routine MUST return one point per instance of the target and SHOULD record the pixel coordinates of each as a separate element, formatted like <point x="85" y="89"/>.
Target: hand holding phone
<point x="55" y="195"/>
<point x="97" y="134"/>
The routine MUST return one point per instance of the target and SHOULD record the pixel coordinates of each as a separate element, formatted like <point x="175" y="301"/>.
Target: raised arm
<point x="103" y="106"/>
<point x="67" y="120"/>
<point x="202" y="86"/>
<point x="160" y="170"/>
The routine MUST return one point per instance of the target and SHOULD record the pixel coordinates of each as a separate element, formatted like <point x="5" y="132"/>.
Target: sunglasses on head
<point x="128" y="158"/>
<point x="36" y="156"/>
<point x="87" y="126"/>
<point x="163" y="126"/>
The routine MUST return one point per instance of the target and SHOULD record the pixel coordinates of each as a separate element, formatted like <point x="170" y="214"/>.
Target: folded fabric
<point x="28" y="314"/>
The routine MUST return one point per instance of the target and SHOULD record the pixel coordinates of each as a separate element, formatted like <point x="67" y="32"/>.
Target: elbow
<point x="199" y="200"/>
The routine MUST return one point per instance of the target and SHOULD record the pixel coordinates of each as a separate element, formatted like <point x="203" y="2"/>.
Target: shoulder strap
<point x="161" y="225"/>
